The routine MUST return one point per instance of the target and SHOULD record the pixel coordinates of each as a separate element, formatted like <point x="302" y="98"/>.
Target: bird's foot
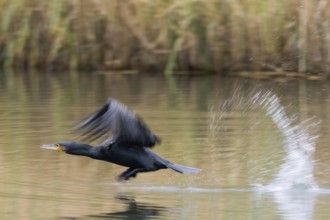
<point x="125" y="178"/>
<point x="129" y="173"/>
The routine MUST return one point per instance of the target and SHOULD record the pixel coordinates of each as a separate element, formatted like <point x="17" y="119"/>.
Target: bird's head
<point x="68" y="147"/>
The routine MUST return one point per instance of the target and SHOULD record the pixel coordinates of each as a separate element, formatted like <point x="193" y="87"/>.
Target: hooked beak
<point x="56" y="147"/>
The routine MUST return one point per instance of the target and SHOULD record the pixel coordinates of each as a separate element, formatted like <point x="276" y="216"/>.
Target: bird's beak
<point x="56" y="147"/>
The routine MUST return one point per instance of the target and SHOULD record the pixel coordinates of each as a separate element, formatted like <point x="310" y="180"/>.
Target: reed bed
<point x="190" y="35"/>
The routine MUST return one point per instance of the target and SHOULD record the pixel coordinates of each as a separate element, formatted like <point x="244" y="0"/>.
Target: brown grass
<point x="212" y="36"/>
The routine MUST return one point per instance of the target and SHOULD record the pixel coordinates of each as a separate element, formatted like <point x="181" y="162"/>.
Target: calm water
<point x="261" y="159"/>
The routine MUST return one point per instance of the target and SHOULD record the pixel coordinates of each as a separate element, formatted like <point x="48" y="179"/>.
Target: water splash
<point x="292" y="188"/>
<point x="297" y="170"/>
<point x="296" y="136"/>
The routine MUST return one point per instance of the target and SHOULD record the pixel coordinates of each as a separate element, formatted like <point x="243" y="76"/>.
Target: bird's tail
<point x="183" y="169"/>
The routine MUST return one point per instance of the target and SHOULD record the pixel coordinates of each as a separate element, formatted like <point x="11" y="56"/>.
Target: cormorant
<point x="127" y="146"/>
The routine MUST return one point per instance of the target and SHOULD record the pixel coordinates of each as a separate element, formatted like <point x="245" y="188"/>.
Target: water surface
<point x="209" y="122"/>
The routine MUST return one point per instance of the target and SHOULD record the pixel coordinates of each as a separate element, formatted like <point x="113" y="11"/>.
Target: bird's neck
<point x="85" y="150"/>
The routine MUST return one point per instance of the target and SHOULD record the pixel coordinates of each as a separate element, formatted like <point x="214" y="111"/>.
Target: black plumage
<point x="128" y="144"/>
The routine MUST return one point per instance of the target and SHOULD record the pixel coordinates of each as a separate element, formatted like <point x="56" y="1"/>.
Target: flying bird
<point x="128" y="144"/>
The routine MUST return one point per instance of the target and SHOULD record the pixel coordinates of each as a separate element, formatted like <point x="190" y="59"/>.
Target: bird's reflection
<point x="134" y="210"/>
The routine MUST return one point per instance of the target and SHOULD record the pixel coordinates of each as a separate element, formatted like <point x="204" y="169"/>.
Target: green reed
<point x="212" y="36"/>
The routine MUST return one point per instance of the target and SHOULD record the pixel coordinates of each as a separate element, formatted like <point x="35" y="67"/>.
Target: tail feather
<point x="183" y="169"/>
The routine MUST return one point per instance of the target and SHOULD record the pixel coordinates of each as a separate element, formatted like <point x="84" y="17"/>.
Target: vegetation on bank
<point x="192" y="35"/>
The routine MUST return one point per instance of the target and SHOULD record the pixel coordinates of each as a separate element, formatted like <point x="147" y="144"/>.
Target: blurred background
<point x="215" y="36"/>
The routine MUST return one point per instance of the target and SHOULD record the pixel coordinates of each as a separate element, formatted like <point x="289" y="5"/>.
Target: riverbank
<point x="204" y="36"/>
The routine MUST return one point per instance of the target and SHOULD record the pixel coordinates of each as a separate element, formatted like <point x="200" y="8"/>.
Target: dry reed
<point x="212" y="36"/>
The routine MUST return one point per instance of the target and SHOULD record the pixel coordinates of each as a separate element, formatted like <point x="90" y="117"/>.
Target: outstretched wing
<point x="125" y="126"/>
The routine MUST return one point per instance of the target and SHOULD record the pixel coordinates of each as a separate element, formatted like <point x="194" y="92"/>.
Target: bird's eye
<point x="58" y="147"/>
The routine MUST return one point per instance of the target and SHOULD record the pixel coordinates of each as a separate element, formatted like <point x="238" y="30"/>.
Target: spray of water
<point x="297" y="170"/>
<point x="292" y="188"/>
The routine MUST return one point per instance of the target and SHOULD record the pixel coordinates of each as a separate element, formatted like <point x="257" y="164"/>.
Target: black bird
<point x="127" y="146"/>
